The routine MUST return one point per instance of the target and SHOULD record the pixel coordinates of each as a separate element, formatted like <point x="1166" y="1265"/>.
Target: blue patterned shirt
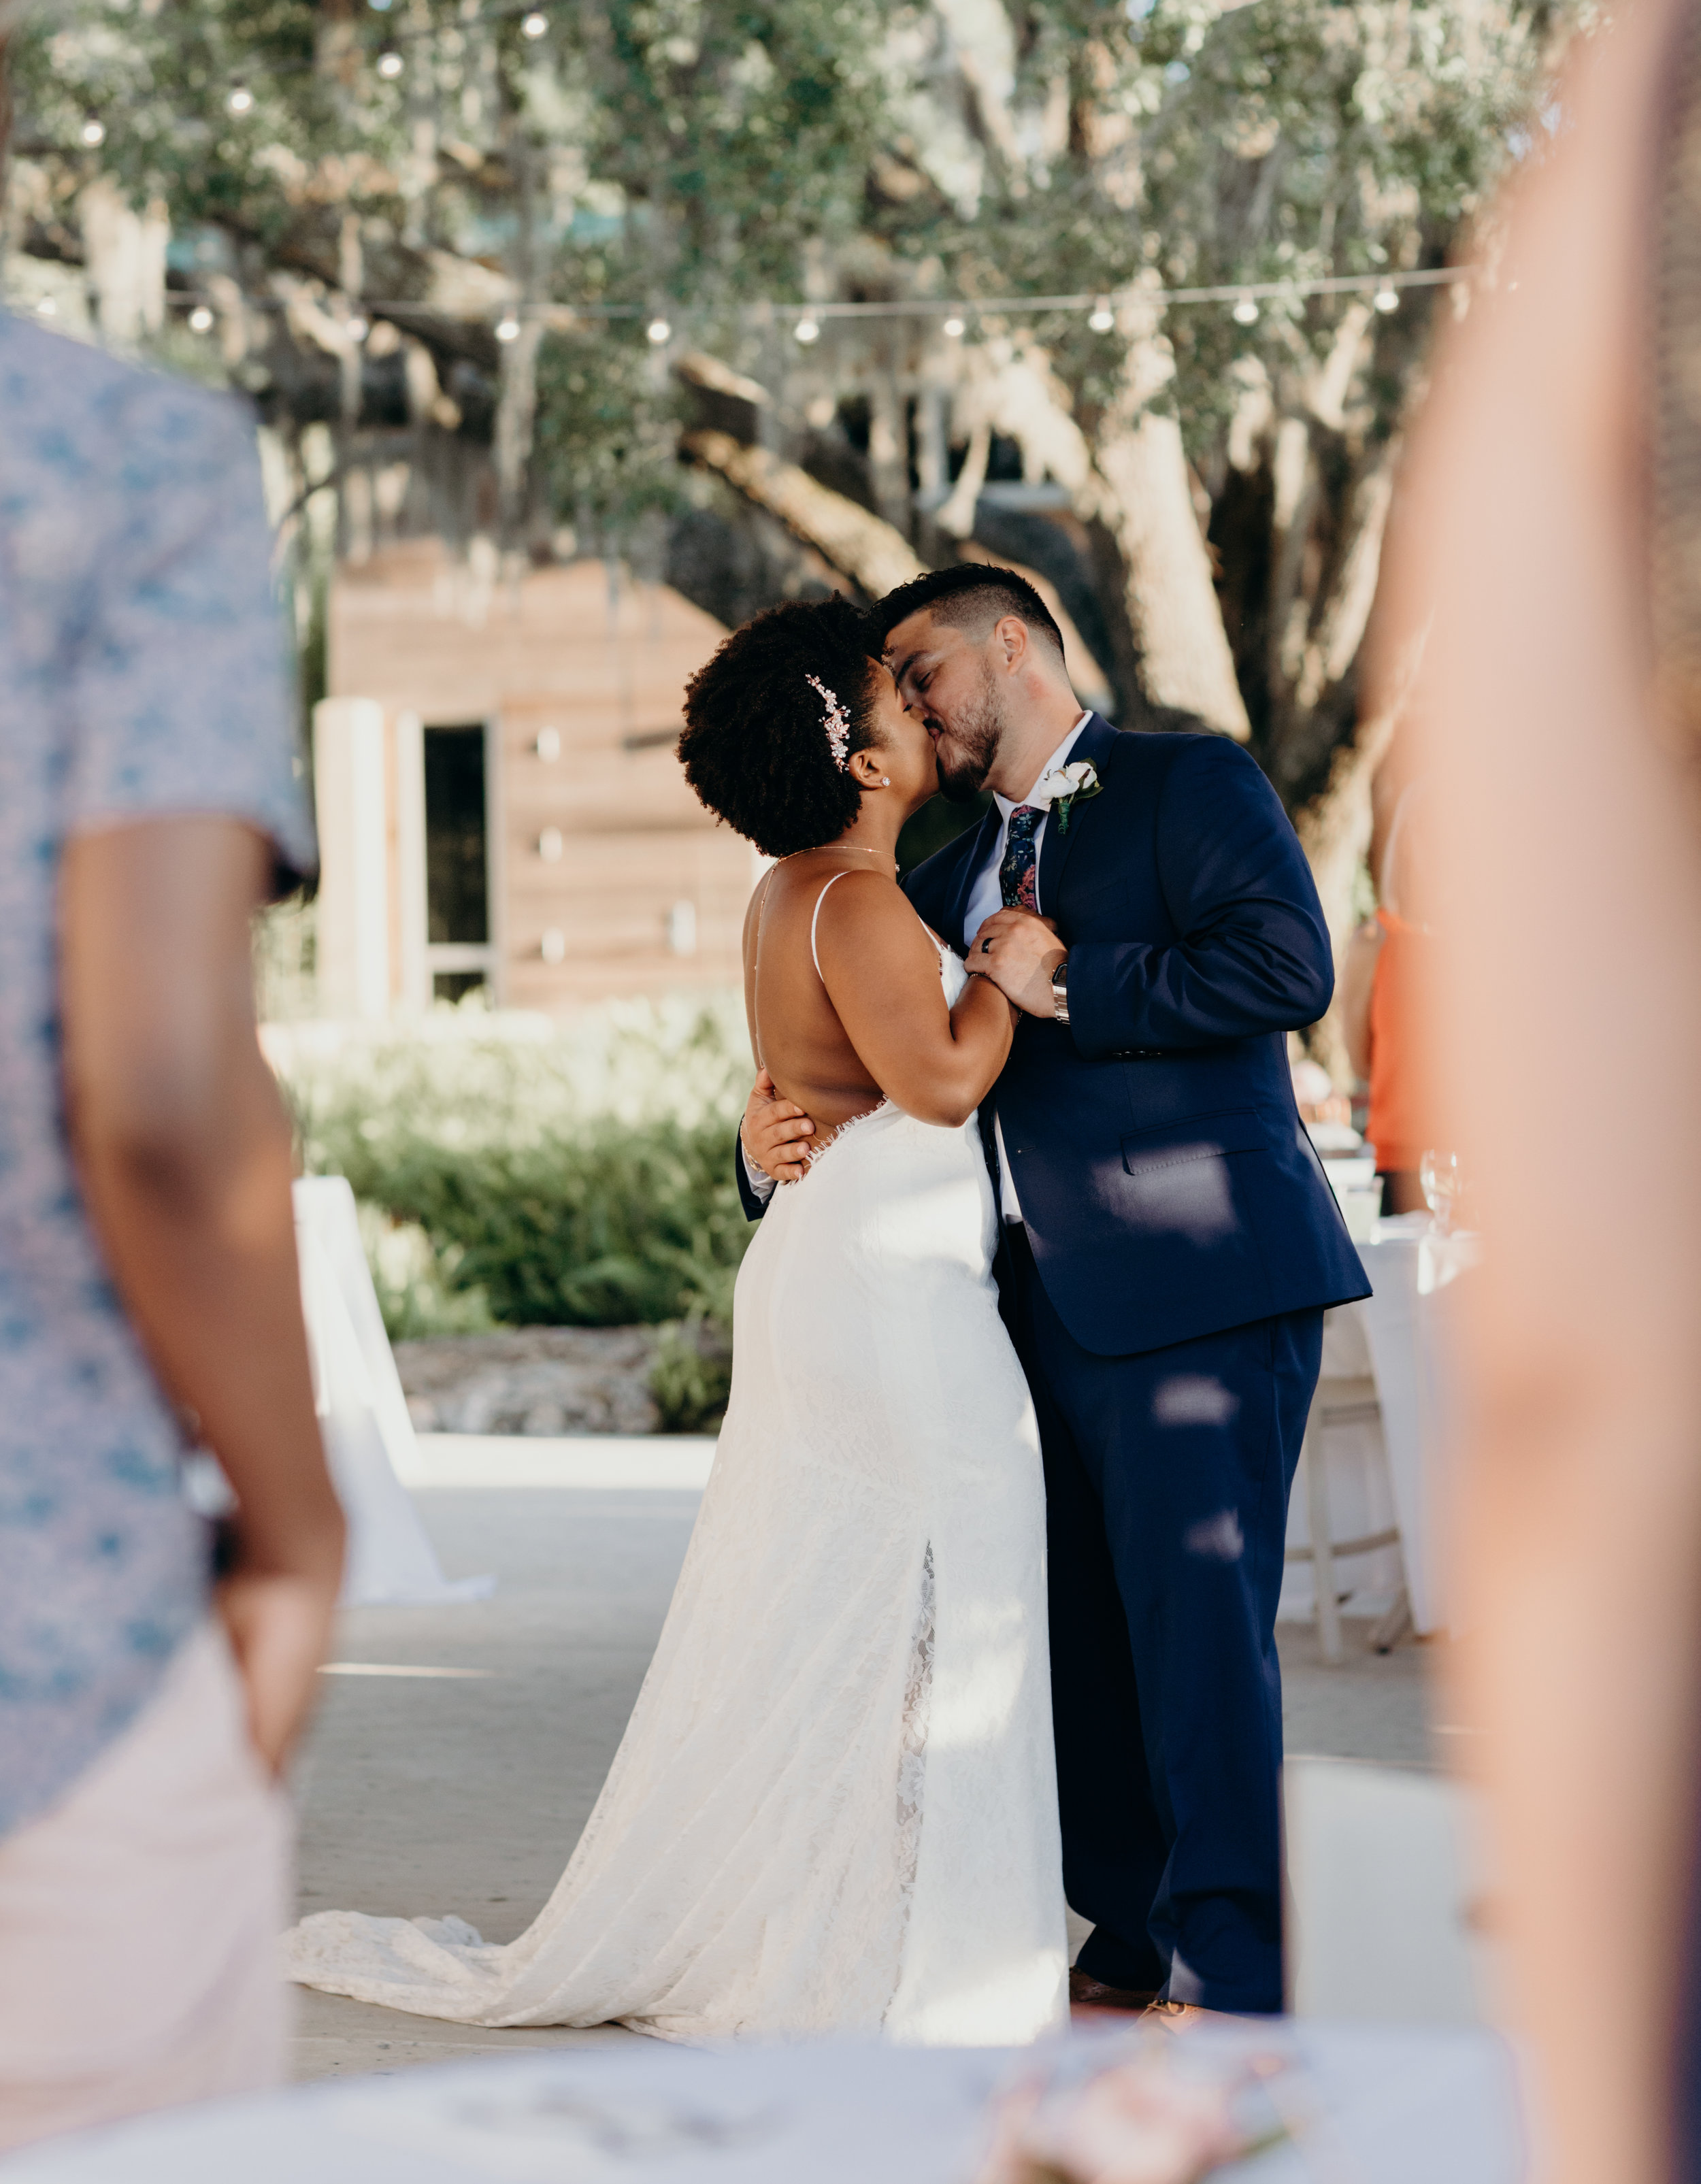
<point x="141" y="676"/>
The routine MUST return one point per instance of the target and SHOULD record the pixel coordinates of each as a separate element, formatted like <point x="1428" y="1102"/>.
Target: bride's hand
<point x="774" y="1133"/>
<point x="1018" y="952"/>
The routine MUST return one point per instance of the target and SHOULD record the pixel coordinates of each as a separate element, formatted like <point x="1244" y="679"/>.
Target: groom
<point x="1168" y="1243"/>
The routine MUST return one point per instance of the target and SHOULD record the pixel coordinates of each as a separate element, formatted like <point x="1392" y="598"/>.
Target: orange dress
<point x="1400" y="1127"/>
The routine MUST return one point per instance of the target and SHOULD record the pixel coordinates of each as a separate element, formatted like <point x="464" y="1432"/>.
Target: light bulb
<point x="534" y="25"/>
<point x="953" y="329"/>
<point x="507" y="328"/>
<point x="551" y="845"/>
<point x="1386" y="299"/>
<point x="240" y="100"/>
<point x="659" y="331"/>
<point x="1101" y="318"/>
<point x="389" y="64"/>
<point x="201" y="319"/>
<point x="93" y="132"/>
<point x="806" y="330"/>
<point x="548" y="745"/>
<point x="553" y="947"/>
<point x="1246" y="312"/>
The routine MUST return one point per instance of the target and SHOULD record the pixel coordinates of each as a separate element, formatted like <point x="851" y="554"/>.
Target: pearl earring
<point x="885" y="781"/>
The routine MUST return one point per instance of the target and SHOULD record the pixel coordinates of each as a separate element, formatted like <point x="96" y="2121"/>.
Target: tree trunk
<point x="1147" y="507"/>
<point x="1145" y="501"/>
<point x="1334" y="831"/>
<point x="872" y="553"/>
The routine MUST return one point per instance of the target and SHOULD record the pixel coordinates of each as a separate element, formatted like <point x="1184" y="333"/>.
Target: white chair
<point x="1339" y="1403"/>
<point x="1346" y="1396"/>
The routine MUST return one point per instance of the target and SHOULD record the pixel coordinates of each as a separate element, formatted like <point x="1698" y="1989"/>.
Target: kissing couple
<point x="1038" y="1293"/>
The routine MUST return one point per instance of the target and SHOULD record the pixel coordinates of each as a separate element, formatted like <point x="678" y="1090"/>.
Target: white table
<point x="1371" y="2105"/>
<point x="363" y="1414"/>
<point x="1390" y="1472"/>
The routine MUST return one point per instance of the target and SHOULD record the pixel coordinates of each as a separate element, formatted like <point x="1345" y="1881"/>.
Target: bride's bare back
<point x="871" y="1021"/>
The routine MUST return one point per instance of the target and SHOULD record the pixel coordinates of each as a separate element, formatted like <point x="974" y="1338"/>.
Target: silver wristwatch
<point x="1059" y="991"/>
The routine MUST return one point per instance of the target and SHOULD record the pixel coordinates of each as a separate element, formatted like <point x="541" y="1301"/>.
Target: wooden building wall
<point x="601" y="856"/>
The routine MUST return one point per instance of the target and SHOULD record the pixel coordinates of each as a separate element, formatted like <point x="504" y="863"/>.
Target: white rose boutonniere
<point x="1064" y="787"/>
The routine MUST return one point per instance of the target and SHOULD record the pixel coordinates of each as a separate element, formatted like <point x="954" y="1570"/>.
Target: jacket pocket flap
<point x="1200" y="1137"/>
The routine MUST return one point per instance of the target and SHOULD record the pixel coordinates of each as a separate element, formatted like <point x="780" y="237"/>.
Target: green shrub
<point x="692" y="1376"/>
<point x="555" y="1176"/>
<point x="619" y="1223"/>
<point x="415" y="1284"/>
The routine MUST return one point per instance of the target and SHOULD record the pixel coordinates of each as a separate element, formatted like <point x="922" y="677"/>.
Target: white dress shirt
<point x="986" y="897"/>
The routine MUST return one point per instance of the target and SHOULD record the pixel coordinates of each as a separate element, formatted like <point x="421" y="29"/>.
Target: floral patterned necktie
<point x="1018" y="879"/>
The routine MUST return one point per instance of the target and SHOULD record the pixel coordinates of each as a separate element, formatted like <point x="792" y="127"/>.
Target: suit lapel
<point x="1094" y="744"/>
<point x="979" y="840"/>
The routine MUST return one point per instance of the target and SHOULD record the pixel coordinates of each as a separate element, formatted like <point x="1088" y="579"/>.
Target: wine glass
<point x="1443" y="1186"/>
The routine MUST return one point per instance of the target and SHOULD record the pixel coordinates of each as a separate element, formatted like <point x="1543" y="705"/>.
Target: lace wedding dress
<point x="834" y="1808"/>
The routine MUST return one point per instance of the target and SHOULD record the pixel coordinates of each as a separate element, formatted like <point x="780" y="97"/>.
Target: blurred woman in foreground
<point x="1547" y="545"/>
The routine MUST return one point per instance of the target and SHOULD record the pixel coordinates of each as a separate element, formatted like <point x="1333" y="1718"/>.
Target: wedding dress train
<point x="834" y="1808"/>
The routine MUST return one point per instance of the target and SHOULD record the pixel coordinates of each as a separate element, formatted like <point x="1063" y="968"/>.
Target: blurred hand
<point x="1018" y="952"/>
<point x="280" y="1630"/>
<point x="775" y="1133"/>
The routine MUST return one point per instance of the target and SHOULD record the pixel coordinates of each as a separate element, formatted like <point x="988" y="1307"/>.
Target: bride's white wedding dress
<point x="834" y="1808"/>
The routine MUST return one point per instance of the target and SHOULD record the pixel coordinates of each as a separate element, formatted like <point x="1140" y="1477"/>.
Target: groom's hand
<point x="774" y="1133"/>
<point x="1018" y="952"/>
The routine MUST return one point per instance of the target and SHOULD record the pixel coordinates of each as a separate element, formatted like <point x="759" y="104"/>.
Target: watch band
<point x="1059" y="991"/>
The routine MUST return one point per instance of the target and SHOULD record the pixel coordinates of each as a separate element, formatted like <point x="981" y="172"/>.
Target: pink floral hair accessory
<point x="837" y="723"/>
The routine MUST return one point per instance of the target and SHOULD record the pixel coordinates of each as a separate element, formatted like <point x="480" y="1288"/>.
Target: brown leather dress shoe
<point x="1085" y="1992"/>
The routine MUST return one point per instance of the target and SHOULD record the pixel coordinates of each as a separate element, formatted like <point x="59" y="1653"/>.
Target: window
<point x="458" y="950"/>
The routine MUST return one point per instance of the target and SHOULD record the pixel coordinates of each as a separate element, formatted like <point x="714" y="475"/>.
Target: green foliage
<point x="414" y="1283"/>
<point x="541" y="1176"/>
<point x="608" y="426"/>
<point x="693" y="1376"/>
<point x="613" y="1225"/>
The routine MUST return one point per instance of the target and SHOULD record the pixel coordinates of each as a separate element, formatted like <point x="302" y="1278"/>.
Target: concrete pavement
<point x="458" y="1750"/>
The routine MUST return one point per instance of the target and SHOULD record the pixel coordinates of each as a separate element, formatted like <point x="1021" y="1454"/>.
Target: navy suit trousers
<point x="1167" y="1480"/>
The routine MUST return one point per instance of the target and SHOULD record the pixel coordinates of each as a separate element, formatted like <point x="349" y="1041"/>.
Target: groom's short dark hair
<point x="967" y="594"/>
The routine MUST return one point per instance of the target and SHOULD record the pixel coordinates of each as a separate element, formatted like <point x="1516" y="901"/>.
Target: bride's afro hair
<point x="756" y="745"/>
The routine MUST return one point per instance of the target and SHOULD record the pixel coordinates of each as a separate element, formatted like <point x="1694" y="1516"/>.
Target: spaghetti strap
<point x="816" y="921"/>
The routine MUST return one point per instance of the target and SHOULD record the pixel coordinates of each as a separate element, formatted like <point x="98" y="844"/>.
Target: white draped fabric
<point x="363" y="1414"/>
<point x="835" y="1804"/>
<point x="1386" y="1472"/>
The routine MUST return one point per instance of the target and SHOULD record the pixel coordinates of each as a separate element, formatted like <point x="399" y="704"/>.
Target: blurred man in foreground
<point x="1547" y="563"/>
<point x="147" y="1276"/>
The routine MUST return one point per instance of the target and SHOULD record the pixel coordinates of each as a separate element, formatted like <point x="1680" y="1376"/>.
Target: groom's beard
<point x="968" y="745"/>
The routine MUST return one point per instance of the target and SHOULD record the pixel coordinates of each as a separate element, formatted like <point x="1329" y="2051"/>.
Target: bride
<point x="834" y="1808"/>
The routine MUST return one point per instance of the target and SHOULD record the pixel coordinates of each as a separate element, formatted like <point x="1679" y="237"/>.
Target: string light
<point x="357" y="328"/>
<point x="93" y="132"/>
<point x="1245" y="313"/>
<point x="507" y="328"/>
<point x="534" y="25"/>
<point x="241" y="99"/>
<point x="807" y="330"/>
<point x="658" y="332"/>
<point x="201" y="319"/>
<point x="1386" y="299"/>
<point x="390" y="63"/>
<point x="954" y="328"/>
<point x="1103" y="318"/>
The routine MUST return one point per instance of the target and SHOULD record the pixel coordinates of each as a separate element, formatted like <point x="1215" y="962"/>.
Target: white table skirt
<point x="1388" y="1472"/>
<point x="363" y="1414"/>
<point x="1397" y="2105"/>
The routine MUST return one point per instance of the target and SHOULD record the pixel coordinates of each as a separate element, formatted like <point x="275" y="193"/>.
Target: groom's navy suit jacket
<point x="1168" y="1186"/>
